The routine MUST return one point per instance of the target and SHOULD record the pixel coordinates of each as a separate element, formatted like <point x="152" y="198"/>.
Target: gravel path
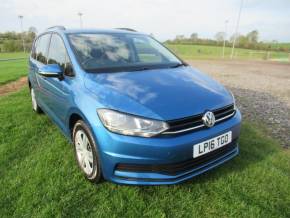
<point x="262" y="91"/>
<point x="265" y="108"/>
<point x="13" y="86"/>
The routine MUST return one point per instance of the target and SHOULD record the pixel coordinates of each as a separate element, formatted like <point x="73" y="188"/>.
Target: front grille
<point x="195" y="122"/>
<point x="176" y="168"/>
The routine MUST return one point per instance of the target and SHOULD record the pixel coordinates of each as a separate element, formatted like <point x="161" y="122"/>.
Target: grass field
<point x="6" y="55"/>
<point x="279" y="44"/>
<point x="12" y="70"/>
<point x="214" y="52"/>
<point x="39" y="177"/>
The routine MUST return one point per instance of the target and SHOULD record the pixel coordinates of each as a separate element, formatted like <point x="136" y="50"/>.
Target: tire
<point x="35" y="106"/>
<point x="86" y="153"/>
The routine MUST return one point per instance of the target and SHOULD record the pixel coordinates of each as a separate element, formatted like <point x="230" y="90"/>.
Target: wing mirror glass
<point x="51" y="70"/>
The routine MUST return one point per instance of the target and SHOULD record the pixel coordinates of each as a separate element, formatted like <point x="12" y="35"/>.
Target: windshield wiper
<point x="177" y="65"/>
<point x="141" y="68"/>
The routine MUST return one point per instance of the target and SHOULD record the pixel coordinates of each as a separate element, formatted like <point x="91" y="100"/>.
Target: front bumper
<point x="164" y="159"/>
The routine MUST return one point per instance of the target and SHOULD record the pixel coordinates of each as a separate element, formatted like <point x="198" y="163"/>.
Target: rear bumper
<point x="162" y="160"/>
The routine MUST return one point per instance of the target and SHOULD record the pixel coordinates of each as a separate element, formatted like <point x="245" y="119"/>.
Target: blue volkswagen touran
<point x="134" y="111"/>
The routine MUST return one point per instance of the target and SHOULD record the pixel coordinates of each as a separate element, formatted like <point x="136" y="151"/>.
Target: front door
<point x="58" y="89"/>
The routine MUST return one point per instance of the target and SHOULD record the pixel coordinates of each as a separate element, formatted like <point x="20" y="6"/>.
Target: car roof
<point x="75" y="31"/>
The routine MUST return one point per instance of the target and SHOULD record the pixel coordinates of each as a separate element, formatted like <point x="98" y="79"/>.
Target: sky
<point x="164" y="19"/>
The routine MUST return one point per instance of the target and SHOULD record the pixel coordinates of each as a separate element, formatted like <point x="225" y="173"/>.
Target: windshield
<point x="98" y="52"/>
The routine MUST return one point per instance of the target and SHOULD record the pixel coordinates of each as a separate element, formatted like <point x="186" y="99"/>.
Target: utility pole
<point x="225" y="37"/>
<point x="237" y="28"/>
<point x="81" y="21"/>
<point x="21" y="26"/>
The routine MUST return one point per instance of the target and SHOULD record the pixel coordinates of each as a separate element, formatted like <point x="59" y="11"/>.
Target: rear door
<point x="39" y="60"/>
<point x="33" y="67"/>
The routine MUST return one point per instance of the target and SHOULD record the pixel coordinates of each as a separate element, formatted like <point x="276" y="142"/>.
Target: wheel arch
<point x="73" y="117"/>
<point x="29" y="84"/>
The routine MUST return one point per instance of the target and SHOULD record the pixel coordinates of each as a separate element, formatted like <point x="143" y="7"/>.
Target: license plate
<point x="212" y="144"/>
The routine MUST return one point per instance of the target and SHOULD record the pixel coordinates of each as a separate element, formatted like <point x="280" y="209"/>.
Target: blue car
<point x="134" y="111"/>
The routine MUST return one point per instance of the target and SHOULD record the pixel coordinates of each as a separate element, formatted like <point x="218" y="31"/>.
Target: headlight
<point x="130" y="125"/>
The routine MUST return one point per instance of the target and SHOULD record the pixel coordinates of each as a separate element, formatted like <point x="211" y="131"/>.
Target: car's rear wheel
<point x="35" y="106"/>
<point x="86" y="152"/>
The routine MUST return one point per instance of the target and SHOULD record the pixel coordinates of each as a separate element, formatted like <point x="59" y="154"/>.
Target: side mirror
<point x="51" y="70"/>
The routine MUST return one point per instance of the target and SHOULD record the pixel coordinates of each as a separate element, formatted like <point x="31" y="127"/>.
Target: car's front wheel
<point x="35" y="106"/>
<point x="86" y="152"/>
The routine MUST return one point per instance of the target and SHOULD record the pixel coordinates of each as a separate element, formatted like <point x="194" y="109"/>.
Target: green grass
<point x="6" y="55"/>
<point x="215" y="52"/>
<point x="12" y="70"/>
<point x="279" y="44"/>
<point x="39" y="177"/>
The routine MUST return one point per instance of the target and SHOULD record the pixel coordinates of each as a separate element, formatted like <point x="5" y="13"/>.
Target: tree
<point x="32" y="29"/>
<point x="180" y="37"/>
<point x="253" y="37"/>
<point x="12" y="41"/>
<point x="194" y="37"/>
<point x="220" y="36"/>
<point x="31" y="34"/>
<point x="12" y="45"/>
<point x="243" y="41"/>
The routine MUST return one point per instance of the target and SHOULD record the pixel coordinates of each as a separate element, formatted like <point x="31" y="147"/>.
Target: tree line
<point x="248" y="41"/>
<point x="13" y="41"/>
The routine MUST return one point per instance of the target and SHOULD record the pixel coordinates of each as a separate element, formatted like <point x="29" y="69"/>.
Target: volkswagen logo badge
<point x="208" y="119"/>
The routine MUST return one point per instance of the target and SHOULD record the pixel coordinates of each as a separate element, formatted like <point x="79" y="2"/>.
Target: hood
<point x="164" y="94"/>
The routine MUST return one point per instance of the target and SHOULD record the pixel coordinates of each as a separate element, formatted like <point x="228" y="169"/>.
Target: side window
<point x="57" y="54"/>
<point x="41" y="48"/>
